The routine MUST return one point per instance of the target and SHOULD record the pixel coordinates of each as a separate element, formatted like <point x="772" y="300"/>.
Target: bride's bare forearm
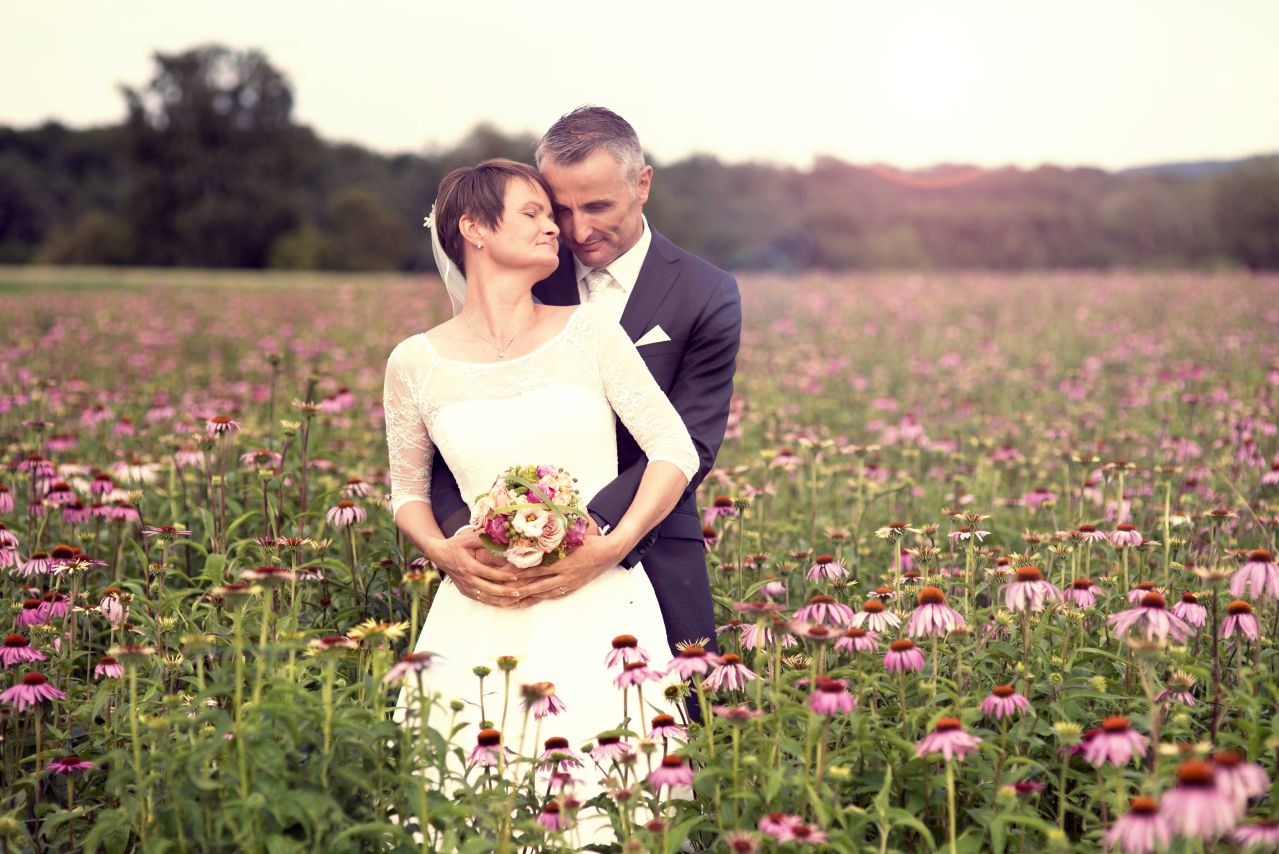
<point x="417" y="521"/>
<point x="659" y="491"/>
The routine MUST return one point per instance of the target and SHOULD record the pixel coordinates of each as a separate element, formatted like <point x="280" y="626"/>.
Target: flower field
<point x="993" y="557"/>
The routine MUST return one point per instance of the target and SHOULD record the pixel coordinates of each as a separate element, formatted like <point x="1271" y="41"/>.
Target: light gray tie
<point x="601" y="286"/>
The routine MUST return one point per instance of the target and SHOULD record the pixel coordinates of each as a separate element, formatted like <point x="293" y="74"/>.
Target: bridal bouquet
<point x="531" y="515"/>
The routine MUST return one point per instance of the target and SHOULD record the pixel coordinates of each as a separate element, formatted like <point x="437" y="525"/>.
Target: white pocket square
<point x="656" y="335"/>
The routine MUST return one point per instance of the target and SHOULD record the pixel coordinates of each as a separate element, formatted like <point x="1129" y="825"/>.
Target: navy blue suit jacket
<point x="699" y="307"/>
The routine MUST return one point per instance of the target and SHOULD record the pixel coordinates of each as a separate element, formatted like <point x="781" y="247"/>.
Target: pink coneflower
<point x="721" y="506"/>
<point x="123" y="511"/>
<point x="115" y="611"/>
<point x="673" y="771"/>
<point x="220" y="425"/>
<point x="487" y="750"/>
<point x="636" y="673"/>
<point x="1090" y="534"/>
<point x="1140" y="590"/>
<point x="7" y="538"/>
<point x="345" y="514"/>
<point x="75" y="513"/>
<point x="1125" y="536"/>
<point x="729" y="675"/>
<point x="1115" y="744"/>
<point x="1141" y="830"/>
<point x="17" y="650"/>
<point x="736" y="714"/>
<point x="540" y="700"/>
<point x="664" y="726"/>
<point x="1003" y="701"/>
<point x="55" y="605"/>
<point x="1196" y="807"/>
<point x="6" y="499"/>
<point x="741" y="842"/>
<point x="164" y="533"/>
<point x="1259" y="834"/>
<point x="780" y="826"/>
<point x="875" y="617"/>
<point x="808" y="834"/>
<point x="261" y="458"/>
<point x="38" y="466"/>
<point x="558" y="756"/>
<point x="1029" y="592"/>
<point x="692" y="660"/>
<point x="410" y="665"/>
<point x="1239" y="618"/>
<point x="33" y="613"/>
<point x="550" y="817"/>
<point x="1179" y="690"/>
<point x="756" y="636"/>
<point x="1258" y="577"/>
<point x="824" y="609"/>
<point x="609" y="747"/>
<point x="69" y="764"/>
<point x="625" y="650"/>
<point x="857" y="640"/>
<point x="710" y="537"/>
<point x="964" y="533"/>
<point x="107" y="667"/>
<point x="949" y="739"/>
<point x="34" y="688"/>
<point x="832" y="697"/>
<point x="59" y="493"/>
<point x="1239" y="778"/>
<point x="1189" y="610"/>
<point x="902" y="656"/>
<point x="101" y="485"/>
<point x="1082" y="593"/>
<point x="1152" y="616"/>
<point x="826" y="568"/>
<point x="40" y="563"/>
<point x="933" y="617"/>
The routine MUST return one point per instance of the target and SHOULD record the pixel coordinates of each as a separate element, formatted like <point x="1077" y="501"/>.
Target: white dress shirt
<point x="625" y="271"/>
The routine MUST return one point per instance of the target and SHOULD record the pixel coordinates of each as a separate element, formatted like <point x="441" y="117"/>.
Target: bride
<point x="510" y="382"/>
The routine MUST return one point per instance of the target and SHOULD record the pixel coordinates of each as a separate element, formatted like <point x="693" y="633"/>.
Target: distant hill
<point x="1194" y="168"/>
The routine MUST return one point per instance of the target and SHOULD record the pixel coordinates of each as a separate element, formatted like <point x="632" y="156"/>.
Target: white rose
<point x="523" y="557"/>
<point x="552" y="533"/>
<point x="482" y="513"/>
<point x="530" y="522"/>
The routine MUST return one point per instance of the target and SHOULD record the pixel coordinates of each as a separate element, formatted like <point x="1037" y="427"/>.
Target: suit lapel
<point x="559" y="288"/>
<point x="656" y="278"/>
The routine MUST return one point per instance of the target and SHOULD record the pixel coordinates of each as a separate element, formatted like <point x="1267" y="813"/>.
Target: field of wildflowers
<point x="993" y="559"/>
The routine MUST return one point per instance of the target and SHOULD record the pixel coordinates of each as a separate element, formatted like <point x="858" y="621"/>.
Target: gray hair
<point x="579" y="134"/>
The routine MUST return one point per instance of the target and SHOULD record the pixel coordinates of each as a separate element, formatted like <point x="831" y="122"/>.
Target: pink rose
<point x="544" y="488"/>
<point x="576" y="534"/>
<point x="546" y="471"/>
<point x="496" y="529"/>
<point x="552" y="533"/>
<point x="523" y="557"/>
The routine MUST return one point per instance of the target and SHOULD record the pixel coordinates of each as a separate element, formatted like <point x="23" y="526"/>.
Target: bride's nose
<point x="552" y="230"/>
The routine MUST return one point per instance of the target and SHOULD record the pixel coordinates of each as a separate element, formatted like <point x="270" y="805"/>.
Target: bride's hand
<point x="489" y="584"/>
<point x="580" y="567"/>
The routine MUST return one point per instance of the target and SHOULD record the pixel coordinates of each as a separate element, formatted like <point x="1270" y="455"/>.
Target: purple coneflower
<point x="1115" y="744"/>
<point x="55" y="604"/>
<point x="1090" y="534"/>
<point x="1263" y="835"/>
<point x="808" y="834"/>
<point x="964" y="533"/>
<point x="1125" y="536"/>
<point x="39" y="563"/>
<point x="115" y="611"/>
<point x="164" y="533"/>
<point x="692" y="660"/>
<point x="933" y="617"/>
<point x="1141" y="830"/>
<point x="1179" y="690"/>
<point x="410" y="665"/>
<point x="664" y="726"/>
<point x="1189" y="610"/>
<point x="609" y="747"/>
<point x="625" y="650"/>
<point x="1029" y="592"/>
<point x="780" y="826"/>
<point x="1141" y="589"/>
<point x="673" y="771"/>
<point x="1082" y="593"/>
<point x="636" y="673"/>
<point x="826" y="568"/>
<point x="69" y="764"/>
<point x="1151" y="615"/>
<point x="949" y="739"/>
<point x="345" y="514"/>
<point x="540" y="700"/>
<point x="17" y="650"/>
<point x="741" y="842"/>
<point x="729" y="675"/>
<point x="832" y="697"/>
<point x="34" y="688"/>
<point x="33" y="613"/>
<point x="1002" y="701"/>
<point x="736" y="714"/>
<point x="902" y="656"/>
<point x="220" y="425"/>
<point x="1239" y="618"/>
<point x="1196" y="807"/>
<point x="487" y="750"/>
<point x="875" y="617"/>
<point x="108" y="667"/>
<point x="1239" y="778"/>
<point x="857" y="640"/>
<point x="824" y="609"/>
<point x="550" y="817"/>
<point x="558" y="756"/>
<point x="721" y="506"/>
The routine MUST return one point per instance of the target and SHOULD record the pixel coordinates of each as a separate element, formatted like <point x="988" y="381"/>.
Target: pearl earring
<point x="479" y="245"/>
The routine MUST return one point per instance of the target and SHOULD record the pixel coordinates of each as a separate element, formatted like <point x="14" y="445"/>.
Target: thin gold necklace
<point x="501" y="351"/>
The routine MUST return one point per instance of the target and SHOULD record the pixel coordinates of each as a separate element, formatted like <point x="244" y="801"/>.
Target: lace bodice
<point x="554" y="405"/>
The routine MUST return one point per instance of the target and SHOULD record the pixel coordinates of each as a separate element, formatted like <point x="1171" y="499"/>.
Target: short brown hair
<point x="478" y="192"/>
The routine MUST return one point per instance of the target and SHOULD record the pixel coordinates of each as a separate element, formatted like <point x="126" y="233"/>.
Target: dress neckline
<point x="513" y="360"/>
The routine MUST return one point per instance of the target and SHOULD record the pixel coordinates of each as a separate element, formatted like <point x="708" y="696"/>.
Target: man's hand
<point x="476" y="580"/>
<point x="582" y="566"/>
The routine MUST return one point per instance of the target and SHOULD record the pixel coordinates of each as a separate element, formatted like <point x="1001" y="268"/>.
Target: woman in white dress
<point x="509" y="382"/>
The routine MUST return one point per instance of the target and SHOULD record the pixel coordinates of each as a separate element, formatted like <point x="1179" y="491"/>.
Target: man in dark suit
<point x="684" y="316"/>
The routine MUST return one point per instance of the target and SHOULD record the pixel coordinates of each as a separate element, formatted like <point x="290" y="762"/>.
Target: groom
<point x="684" y="316"/>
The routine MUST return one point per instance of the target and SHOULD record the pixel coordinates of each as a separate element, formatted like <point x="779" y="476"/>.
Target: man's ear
<point x="643" y="184"/>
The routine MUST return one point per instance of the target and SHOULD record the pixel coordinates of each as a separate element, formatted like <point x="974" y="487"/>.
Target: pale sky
<point x="1114" y="83"/>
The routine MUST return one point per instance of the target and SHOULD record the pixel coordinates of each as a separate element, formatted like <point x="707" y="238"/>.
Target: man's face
<point x="600" y="212"/>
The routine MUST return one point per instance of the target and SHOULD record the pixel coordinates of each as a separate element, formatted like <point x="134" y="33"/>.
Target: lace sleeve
<point x="408" y="443"/>
<point x="639" y="402"/>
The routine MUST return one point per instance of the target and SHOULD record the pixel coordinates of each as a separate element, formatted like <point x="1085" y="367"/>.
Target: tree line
<point x="209" y="169"/>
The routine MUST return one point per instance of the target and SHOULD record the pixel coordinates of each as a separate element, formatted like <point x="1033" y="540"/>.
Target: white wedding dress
<point x="553" y="406"/>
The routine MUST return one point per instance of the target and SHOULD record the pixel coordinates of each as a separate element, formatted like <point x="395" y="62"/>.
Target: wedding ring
<point x="561" y="589"/>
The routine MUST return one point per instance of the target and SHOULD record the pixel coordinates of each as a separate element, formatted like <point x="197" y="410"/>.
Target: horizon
<point x="995" y="84"/>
